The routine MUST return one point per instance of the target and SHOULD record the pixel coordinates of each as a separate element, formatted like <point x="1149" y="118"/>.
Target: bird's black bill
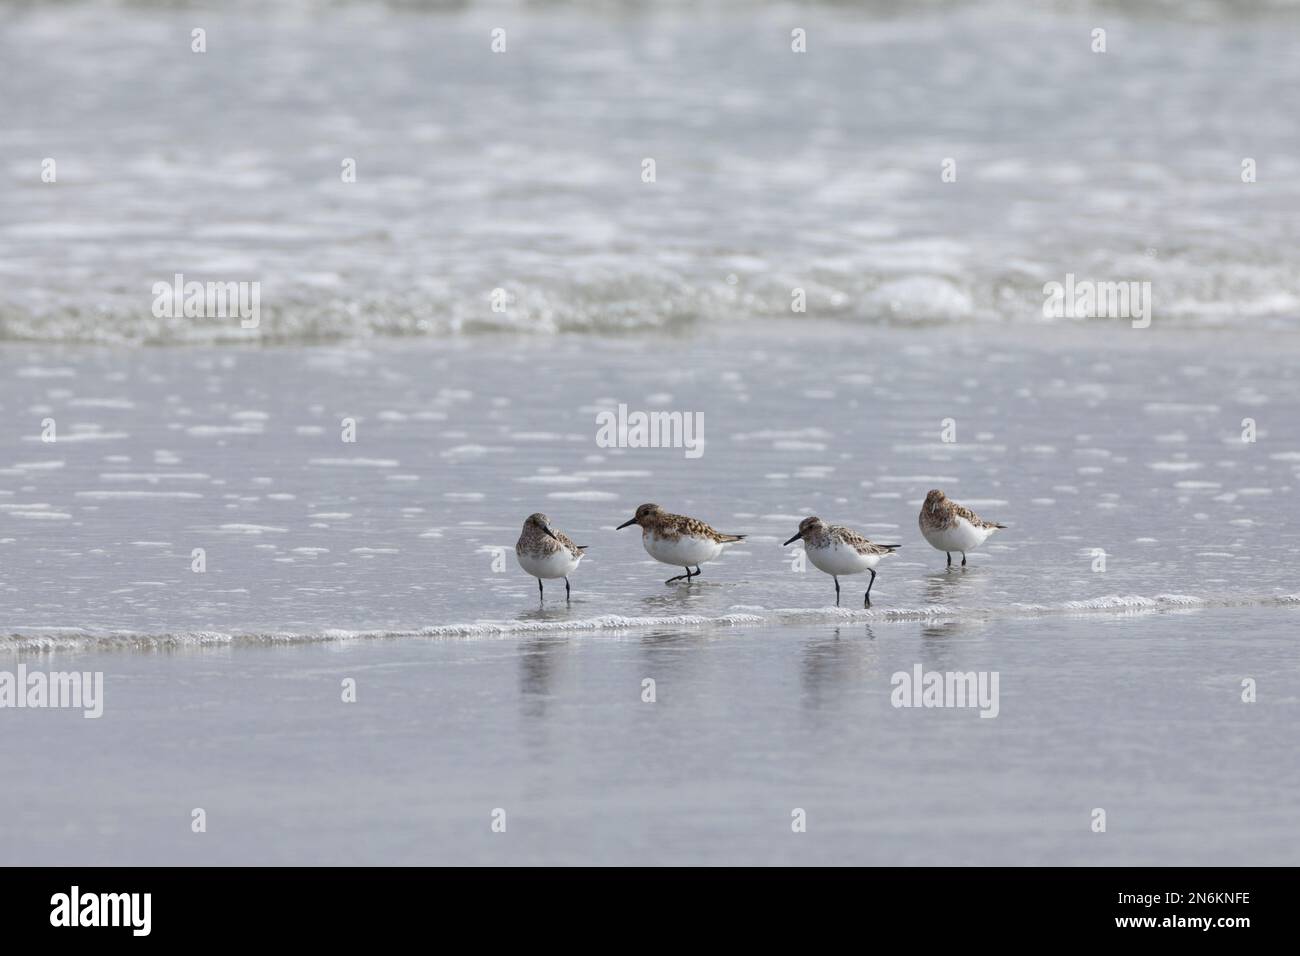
<point x="625" y="524"/>
<point x="793" y="540"/>
<point x="550" y="533"/>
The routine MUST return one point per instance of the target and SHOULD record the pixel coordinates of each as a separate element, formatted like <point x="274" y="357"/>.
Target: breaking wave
<point x="506" y="195"/>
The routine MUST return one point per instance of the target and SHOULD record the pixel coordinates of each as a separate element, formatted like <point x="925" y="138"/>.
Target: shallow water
<point x="1126" y="443"/>
<point x="1137" y="714"/>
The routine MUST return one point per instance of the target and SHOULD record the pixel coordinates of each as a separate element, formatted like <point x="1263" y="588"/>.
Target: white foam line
<point x="63" y="639"/>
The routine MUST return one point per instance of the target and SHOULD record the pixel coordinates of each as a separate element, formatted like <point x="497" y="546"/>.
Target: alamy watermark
<point x="1088" y="299"/>
<point x="75" y="908"/>
<point x="208" y="300"/>
<point x="922" y="688"/>
<point x="624" y="429"/>
<point x="57" y="689"/>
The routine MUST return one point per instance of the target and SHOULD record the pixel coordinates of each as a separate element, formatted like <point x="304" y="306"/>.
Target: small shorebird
<point x="546" y="553"/>
<point x="678" y="540"/>
<point x="950" y="527"/>
<point x="838" y="550"/>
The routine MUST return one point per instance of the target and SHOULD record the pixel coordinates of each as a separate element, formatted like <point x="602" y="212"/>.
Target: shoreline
<point x="75" y="641"/>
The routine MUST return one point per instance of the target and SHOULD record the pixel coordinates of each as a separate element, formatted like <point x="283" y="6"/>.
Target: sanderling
<point x="678" y="540"/>
<point x="950" y="527"/>
<point x="838" y="550"/>
<point x="546" y="553"/>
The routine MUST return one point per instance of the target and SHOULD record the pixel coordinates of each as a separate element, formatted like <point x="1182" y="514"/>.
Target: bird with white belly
<point x="546" y="553"/>
<point x="678" y="540"/>
<point x="838" y="550"/>
<point x="949" y="527"/>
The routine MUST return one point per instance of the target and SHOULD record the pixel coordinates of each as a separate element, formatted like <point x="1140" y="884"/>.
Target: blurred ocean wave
<point x="504" y="192"/>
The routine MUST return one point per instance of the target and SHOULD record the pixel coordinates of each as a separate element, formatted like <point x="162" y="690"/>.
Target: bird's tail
<point x="892" y="547"/>
<point x="729" y="538"/>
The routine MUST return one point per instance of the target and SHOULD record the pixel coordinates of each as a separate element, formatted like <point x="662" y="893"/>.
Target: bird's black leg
<point x="866" y="599"/>
<point x="963" y="559"/>
<point x="698" y="572"/>
<point x="949" y="553"/>
<point x="679" y="577"/>
<point x="541" y="595"/>
<point x="566" y="589"/>
<point x="837" y="589"/>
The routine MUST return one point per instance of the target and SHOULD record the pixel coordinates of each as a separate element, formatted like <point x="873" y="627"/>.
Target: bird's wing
<point x="861" y="545"/>
<point x="564" y="539"/>
<point x="975" y="519"/>
<point x="697" y="528"/>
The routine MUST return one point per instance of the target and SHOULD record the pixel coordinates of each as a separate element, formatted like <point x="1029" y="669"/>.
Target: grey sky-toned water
<point x="1115" y="457"/>
<point x="522" y="170"/>
<point x="1119" y="689"/>
<point x="1138" y="714"/>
